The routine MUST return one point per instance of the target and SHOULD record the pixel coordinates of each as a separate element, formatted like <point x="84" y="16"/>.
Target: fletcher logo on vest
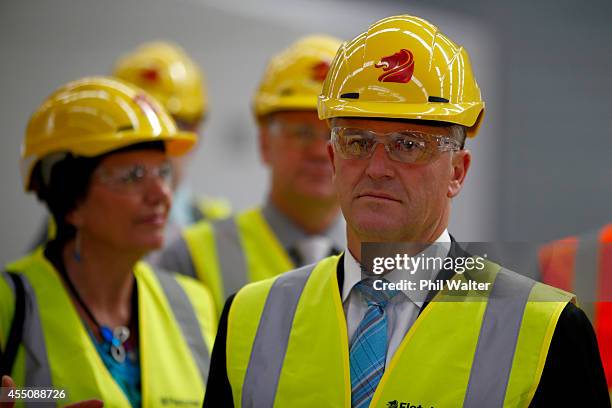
<point x="397" y="404"/>
<point x="180" y="402"/>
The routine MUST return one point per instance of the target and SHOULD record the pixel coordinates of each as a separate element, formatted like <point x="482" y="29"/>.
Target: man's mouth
<point x="381" y="195"/>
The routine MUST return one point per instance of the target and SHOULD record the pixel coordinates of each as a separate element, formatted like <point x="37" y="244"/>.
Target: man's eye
<point x="357" y="144"/>
<point x="303" y="132"/>
<point x="407" y="145"/>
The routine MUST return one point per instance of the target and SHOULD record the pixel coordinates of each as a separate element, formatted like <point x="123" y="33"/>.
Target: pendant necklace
<point x="116" y="337"/>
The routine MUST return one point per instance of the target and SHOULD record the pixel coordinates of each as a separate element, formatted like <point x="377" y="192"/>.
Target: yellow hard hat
<point x="165" y="71"/>
<point x="96" y="115"/>
<point x="403" y="68"/>
<point x="293" y="78"/>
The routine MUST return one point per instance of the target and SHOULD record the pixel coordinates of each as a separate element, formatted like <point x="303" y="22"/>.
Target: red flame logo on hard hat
<point x="398" y="67"/>
<point x="149" y="74"/>
<point x="320" y="70"/>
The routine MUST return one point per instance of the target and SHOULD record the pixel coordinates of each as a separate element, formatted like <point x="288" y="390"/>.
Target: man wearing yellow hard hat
<point x="400" y="100"/>
<point x="300" y="222"/>
<point x="83" y="315"/>
<point x="167" y="73"/>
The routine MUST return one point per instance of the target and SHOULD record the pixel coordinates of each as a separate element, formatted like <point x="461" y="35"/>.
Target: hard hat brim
<point x="177" y="144"/>
<point x="466" y="114"/>
<point x="264" y="105"/>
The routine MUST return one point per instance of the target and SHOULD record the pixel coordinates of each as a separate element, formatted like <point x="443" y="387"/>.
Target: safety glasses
<point x="303" y="134"/>
<point x="134" y="178"/>
<point x="407" y="147"/>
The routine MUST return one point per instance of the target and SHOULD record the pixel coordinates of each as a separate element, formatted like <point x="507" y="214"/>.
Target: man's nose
<point x="379" y="164"/>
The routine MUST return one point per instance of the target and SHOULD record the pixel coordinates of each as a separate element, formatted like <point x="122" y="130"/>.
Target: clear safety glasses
<point x="303" y="134"/>
<point x="134" y="178"/>
<point x="407" y="147"/>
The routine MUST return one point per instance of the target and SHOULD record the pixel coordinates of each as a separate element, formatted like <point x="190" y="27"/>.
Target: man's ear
<point x="460" y="164"/>
<point x="330" y="154"/>
<point x="264" y="140"/>
<point x="330" y="148"/>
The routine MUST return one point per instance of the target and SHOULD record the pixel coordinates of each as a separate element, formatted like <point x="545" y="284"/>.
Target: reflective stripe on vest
<point x="586" y="271"/>
<point x="296" y="352"/>
<point x="37" y="372"/>
<point x="584" y="265"/>
<point x="187" y="320"/>
<point x="232" y="260"/>
<point x="177" y="258"/>
<point x="271" y="339"/>
<point x="497" y="342"/>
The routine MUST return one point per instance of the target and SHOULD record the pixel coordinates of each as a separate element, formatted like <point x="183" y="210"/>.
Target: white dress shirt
<point x="401" y="310"/>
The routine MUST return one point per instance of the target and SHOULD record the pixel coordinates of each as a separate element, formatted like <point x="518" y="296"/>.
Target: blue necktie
<point x="368" y="349"/>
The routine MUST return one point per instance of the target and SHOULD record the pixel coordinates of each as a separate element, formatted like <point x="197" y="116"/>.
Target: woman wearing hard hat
<point x="165" y="71"/>
<point x="83" y="315"/>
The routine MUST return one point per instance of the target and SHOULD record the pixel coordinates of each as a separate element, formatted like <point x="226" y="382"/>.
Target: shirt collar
<point x="352" y="268"/>
<point x="289" y="234"/>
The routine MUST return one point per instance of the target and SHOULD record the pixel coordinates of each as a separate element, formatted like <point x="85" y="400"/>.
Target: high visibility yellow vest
<point x="176" y="331"/>
<point x="213" y="208"/>
<point x="230" y="253"/>
<point x="287" y="344"/>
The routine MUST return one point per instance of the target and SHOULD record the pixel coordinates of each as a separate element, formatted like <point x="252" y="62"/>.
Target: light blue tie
<point x="368" y="349"/>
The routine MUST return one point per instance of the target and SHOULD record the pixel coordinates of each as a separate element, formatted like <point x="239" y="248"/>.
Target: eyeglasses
<point x="303" y="134"/>
<point x="134" y="178"/>
<point x="406" y="147"/>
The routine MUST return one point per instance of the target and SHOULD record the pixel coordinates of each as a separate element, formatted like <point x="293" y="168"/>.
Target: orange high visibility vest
<point x="583" y="265"/>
